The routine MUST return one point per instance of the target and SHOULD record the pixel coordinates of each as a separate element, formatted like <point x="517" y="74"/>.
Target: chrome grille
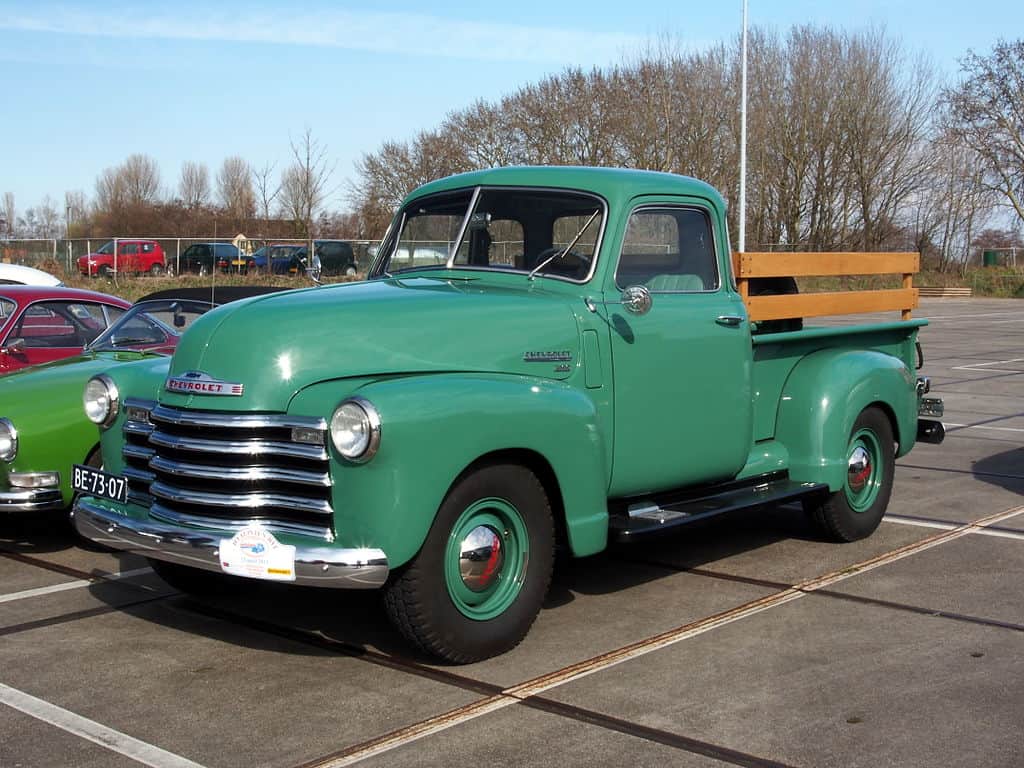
<point x="226" y="469"/>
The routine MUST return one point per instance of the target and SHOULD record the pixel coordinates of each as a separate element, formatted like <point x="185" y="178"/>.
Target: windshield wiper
<point x="560" y="254"/>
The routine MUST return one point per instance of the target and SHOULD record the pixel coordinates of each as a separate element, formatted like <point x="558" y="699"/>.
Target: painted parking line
<point x="115" y="741"/>
<point x="77" y="584"/>
<point x="981" y="426"/>
<point x="944" y="526"/>
<point x="984" y="367"/>
<point x="574" y="672"/>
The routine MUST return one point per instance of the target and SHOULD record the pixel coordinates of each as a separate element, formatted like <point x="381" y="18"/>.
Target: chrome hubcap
<point x="858" y="470"/>
<point x="480" y="558"/>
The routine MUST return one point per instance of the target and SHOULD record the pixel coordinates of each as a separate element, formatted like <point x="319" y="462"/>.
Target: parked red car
<point x="136" y="256"/>
<point x="38" y="325"/>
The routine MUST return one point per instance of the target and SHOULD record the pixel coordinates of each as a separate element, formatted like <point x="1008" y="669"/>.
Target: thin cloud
<point x="389" y="33"/>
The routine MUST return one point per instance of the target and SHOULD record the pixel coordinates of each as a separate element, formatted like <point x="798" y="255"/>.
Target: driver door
<point x="682" y="370"/>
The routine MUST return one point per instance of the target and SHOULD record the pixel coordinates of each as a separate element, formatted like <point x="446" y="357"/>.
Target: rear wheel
<point x="156" y="270"/>
<point x="855" y="510"/>
<point x="479" y="580"/>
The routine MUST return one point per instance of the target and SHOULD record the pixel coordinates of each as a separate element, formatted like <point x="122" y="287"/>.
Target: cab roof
<point x="610" y="183"/>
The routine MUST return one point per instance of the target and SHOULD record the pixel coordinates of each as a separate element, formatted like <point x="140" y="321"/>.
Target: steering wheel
<point x="563" y="264"/>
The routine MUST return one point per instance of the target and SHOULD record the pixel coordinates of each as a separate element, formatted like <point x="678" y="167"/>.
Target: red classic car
<point x="38" y="325"/>
<point x="135" y="256"/>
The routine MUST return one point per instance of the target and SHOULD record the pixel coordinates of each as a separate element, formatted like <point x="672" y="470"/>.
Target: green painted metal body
<point x="645" y="403"/>
<point x="45" y="405"/>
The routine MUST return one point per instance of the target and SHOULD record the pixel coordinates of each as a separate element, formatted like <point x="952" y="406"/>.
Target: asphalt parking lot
<point x="740" y="641"/>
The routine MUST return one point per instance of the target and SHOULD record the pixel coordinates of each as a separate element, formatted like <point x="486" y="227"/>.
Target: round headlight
<point x="355" y="429"/>
<point x="100" y="400"/>
<point x="8" y="440"/>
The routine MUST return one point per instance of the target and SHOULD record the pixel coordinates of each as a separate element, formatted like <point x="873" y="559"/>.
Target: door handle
<point x="730" y="321"/>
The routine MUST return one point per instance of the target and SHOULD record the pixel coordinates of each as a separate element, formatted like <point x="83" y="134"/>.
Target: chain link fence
<point x="63" y="257"/>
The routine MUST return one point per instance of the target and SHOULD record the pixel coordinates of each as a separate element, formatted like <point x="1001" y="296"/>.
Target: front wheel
<point x="477" y="584"/>
<point x="855" y="510"/>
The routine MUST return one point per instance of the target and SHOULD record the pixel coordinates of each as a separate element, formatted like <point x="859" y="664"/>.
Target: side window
<point x="147" y="247"/>
<point x="58" y="324"/>
<point x="668" y="250"/>
<point x="6" y="308"/>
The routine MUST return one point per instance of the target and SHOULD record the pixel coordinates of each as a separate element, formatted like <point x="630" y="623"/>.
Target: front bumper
<point x="314" y="566"/>
<point x="30" y="499"/>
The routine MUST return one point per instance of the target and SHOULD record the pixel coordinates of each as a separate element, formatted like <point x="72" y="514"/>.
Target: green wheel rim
<point x="503" y="520"/>
<point x="863" y="481"/>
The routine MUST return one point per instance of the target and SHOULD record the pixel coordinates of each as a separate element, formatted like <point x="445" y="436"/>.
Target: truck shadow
<point x="1005" y="470"/>
<point x="322" y="622"/>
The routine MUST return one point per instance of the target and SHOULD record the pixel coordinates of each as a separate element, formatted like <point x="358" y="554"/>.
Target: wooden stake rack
<point x="778" y="307"/>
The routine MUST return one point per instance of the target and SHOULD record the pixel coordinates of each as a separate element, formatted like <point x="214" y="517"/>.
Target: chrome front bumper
<point x="314" y="566"/>
<point x="30" y="499"/>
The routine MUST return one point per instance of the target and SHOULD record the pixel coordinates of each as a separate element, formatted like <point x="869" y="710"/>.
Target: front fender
<point x="435" y="426"/>
<point x="822" y="398"/>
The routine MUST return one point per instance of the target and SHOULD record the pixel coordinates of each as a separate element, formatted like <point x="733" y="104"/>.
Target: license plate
<point x="255" y="552"/>
<point x="94" y="482"/>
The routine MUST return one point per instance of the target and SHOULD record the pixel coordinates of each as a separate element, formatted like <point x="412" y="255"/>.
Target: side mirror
<point x="637" y="300"/>
<point x="16" y="347"/>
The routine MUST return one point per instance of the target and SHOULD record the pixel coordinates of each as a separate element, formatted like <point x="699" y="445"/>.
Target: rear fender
<point x="434" y="427"/>
<point x="822" y="398"/>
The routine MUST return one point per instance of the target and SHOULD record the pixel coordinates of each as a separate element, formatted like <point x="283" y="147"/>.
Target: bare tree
<point x="194" y="185"/>
<point x="988" y="113"/>
<point x="9" y="214"/>
<point x="141" y="178"/>
<point x="234" y="187"/>
<point x="304" y="184"/>
<point x="266" y="189"/>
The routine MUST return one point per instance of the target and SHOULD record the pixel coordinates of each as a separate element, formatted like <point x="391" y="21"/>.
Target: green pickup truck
<point x="589" y="364"/>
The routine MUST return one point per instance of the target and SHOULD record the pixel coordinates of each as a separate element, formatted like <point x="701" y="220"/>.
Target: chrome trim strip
<point x="452" y="251"/>
<point x="239" y="447"/>
<point x="319" y="566"/>
<point x="240" y="500"/>
<point x="139" y="475"/>
<point x="231" y="525"/>
<point x="138" y="428"/>
<point x="137" y="452"/>
<point x="31" y="500"/>
<point x="233" y="420"/>
<point x="206" y="472"/>
<point x="140" y="498"/>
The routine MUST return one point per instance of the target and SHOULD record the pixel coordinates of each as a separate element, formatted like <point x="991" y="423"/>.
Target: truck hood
<point x="276" y="345"/>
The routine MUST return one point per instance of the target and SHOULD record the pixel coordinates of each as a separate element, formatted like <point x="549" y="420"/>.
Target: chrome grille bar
<point x="247" y="501"/>
<point x="239" y="447"/>
<point x="236" y="524"/>
<point x="234" y="420"/>
<point x="253" y="473"/>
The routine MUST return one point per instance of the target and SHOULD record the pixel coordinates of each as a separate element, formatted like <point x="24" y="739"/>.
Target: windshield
<point x="509" y="229"/>
<point x="151" y="326"/>
<point x="107" y="249"/>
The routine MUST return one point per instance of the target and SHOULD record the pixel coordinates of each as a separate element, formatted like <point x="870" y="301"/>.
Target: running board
<point x="645" y="518"/>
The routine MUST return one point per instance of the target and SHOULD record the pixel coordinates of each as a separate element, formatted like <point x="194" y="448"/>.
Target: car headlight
<point x="355" y="429"/>
<point x="100" y="400"/>
<point x="8" y="440"/>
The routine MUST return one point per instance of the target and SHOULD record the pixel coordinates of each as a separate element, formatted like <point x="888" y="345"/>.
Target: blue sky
<point x="86" y="84"/>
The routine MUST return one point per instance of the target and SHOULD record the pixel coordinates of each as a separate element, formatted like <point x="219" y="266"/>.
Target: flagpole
<point x="743" y="136"/>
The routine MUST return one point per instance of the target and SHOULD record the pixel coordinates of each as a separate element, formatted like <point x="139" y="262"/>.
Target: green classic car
<point x="43" y="430"/>
<point x="579" y="365"/>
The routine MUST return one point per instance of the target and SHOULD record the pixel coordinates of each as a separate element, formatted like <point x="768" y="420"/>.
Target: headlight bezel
<point x="371" y="419"/>
<point x="12" y="434"/>
<point x="113" y="400"/>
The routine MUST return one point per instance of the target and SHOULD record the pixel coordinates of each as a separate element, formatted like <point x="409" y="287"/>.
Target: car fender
<point x="822" y="398"/>
<point x="434" y="427"/>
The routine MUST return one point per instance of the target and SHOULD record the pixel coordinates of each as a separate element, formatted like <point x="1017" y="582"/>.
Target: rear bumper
<point x="314" y="566"/>
<point x="30" y="499"/>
